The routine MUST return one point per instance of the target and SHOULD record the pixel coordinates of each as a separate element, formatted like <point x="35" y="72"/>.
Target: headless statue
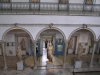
<point x="80" y="51"/>
<point x="49" y="52"/>
<point x="19" y="54"/>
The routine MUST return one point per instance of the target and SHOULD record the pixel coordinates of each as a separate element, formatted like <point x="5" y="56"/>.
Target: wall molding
<point x="46" y="25"/>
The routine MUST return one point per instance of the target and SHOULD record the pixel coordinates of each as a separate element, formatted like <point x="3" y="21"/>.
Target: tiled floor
<point x="29" y="71"/>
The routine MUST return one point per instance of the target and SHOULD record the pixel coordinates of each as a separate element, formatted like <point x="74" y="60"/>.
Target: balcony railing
<point x="48" y="8"/>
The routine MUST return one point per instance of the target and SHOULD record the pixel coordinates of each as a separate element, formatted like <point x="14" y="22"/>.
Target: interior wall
<point x="84" y="37"/>
<point x="19" y="0"/>
<point x="76" y="1"/>
<point x="10" y="38"/>
<point x="52" y="1"/>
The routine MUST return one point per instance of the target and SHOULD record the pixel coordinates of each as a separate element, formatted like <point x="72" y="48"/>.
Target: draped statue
<point x="70" y="43"/>
<point x="49" y="52"/>
<point x="22" y="43"/>
<point x="19" y="54"/>
<point x="80" y="51"/>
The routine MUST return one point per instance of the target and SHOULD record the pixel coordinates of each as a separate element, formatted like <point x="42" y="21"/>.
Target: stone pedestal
<point x="20" y="65"/>
<point x="70" y="51"/>
<point x="49" y="66"/>
<point x="78" y="63"/>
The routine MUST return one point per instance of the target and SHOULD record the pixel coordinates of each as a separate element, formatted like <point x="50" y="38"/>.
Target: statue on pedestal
<point x="70" y="43"/>
<point x="22" y="43"/>
<point x="49" y="52"/>
<point x="19" y="54"/>
<point x="80" y="51"/>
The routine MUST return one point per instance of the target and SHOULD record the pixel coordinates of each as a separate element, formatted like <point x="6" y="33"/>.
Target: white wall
<point x="52" y="1"/>
<point x="84" y="37"/>
<point x="59" y="35"/>
<point x="97" y="2"/>
<point x="19" y="0"/>
<point x="10" y="38"/>
<point x="41" y="19"/>
<point x="76" y="1"/>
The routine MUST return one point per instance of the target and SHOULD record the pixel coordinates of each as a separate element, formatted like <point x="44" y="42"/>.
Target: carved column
<point x="94" y="47"/>
<point x="65" y="51"/>
<point x="4" y="55"/>
<point x="35" y="60"/>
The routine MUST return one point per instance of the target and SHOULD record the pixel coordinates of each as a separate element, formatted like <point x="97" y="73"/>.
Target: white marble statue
<point x="80" y="51"/>
<point x="19" y="54"/>
<point x="49" y="52"/>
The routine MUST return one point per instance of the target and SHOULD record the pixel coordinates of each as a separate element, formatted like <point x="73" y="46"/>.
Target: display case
<point x="59" y="47"/>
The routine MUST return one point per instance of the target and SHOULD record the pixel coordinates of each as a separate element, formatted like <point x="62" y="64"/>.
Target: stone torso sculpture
<point x="80" y="51"/>
<point x="19" y="54"/>
<point x="49" y="53"/>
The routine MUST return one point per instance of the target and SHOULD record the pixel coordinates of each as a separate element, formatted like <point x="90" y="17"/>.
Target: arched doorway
<point x="14" y="38"/>
<point x="84" y="37"/>
<point x="57" y="38"/>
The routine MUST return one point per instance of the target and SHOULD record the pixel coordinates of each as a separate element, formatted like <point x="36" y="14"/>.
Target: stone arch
<point x="55" y="28"/>
<point x="85" y="29"/>
<point x="12" y="28"/>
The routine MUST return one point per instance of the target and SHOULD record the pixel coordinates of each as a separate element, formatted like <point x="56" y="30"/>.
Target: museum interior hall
<point x="49" y="37"/>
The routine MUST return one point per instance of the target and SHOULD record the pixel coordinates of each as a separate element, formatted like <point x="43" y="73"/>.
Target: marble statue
<point x="70" y="43"/>
<point x="19" y="54"/>
<point x="22" y="44"/>
<point x="80" y="51"/>
<point x="49" y="52"/>
<point x="63" y="1"/>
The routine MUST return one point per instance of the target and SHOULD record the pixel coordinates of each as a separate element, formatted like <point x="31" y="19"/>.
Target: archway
<point x="84" y="38"/>
<point x="58" y="39"/>
<point x="17" y="37"/>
